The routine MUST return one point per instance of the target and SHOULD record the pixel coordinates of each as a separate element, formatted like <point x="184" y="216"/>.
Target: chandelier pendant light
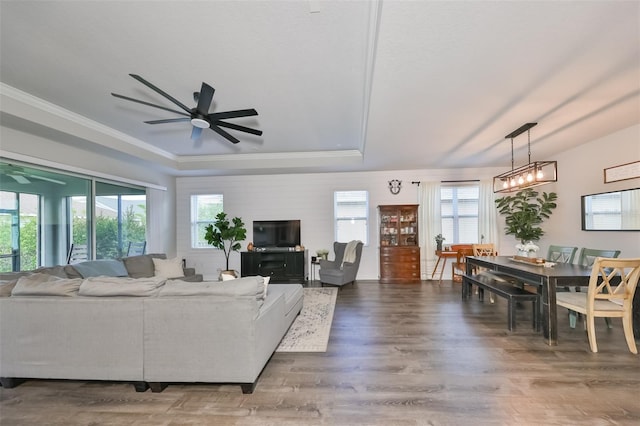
<point x="529" y="175"/>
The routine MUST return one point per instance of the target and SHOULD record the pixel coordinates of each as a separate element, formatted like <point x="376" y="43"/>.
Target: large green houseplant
<point x="525" y="211"/>
<point x="225" y="235"/>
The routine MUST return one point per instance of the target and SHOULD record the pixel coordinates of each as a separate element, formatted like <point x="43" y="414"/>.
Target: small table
<point x="443" y="255"/>
<point x="313" y="269"/>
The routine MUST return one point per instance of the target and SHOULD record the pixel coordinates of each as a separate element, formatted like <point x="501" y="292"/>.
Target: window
<point x="19" y="236"/>
<point x="204" y="209"/>
<point x="43" y="211"/>
<point x="121" y="218"/>
<point x="351" y="212"/>
<point x="459" y="212"/>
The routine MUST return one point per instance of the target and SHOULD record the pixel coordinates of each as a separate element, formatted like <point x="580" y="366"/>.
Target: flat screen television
<point x="276" y="233"/>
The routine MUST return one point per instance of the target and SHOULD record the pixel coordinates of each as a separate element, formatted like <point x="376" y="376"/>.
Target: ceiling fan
<point x="199" y="116"/>
<point x="22" y="176"/>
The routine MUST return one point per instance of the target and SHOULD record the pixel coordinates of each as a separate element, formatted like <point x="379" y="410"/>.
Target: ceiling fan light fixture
<point x="536" y="173"/>
<point x="200" y="123"/>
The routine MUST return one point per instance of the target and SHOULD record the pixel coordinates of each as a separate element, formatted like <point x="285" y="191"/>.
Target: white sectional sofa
<point x="149" y="331"/>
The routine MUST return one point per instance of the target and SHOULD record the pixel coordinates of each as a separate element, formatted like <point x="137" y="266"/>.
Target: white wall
<point x="581" y="172"/>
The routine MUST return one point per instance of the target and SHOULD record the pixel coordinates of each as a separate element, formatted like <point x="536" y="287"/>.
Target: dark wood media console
<point x="281" y="266"/>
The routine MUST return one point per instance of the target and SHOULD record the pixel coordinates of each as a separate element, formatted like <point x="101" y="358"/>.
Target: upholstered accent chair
<point x="337" y="272"/>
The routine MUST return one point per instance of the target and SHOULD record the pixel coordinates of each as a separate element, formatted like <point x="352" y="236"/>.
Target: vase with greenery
<point x="439" y="240"/>
<point x="225" y="235"/>
<point x="524" y="212"/>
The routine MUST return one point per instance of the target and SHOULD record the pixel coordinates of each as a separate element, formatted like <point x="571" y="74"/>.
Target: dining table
<point x="546" y="277"/>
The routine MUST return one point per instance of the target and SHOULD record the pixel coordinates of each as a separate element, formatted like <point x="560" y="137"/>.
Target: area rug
<point x="310" y="330"/>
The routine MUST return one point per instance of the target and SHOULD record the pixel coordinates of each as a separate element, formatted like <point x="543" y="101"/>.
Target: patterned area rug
<point x="310" y="330"/>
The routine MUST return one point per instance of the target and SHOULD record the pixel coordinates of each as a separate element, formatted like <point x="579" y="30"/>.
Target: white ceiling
<point x="338" y="85"/>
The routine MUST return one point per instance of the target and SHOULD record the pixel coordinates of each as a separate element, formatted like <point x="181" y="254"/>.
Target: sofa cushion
<point x="39" y="284"/>
<point x="246" y="286"/>
<point x="126" y="286"/>
<point x="56" y="271"/>
<point x="142" y="266"/>
<point x="168" y="268"/>
<point x="6" y="286"/>
<point x="96" y="268"/>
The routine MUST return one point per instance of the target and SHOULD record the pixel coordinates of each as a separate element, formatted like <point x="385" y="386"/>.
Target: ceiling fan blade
<point x="168" y="120"/>
<point x="239" y="128"/>
<point x="204" y="99"/>
<point x="149" y="104"/>
<point x="160" y="91"/>
<point x="195" y="133"/>
<point x="59" y="182"/>
<point x="19" y="178"/>
<point x="224" y="134"/>
<point x="232" y="114"/>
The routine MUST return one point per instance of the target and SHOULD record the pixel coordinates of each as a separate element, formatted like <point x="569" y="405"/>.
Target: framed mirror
<point x="611" y="211"/>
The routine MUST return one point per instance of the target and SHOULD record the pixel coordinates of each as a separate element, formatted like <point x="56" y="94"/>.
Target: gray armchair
<point x="336" y="272"/>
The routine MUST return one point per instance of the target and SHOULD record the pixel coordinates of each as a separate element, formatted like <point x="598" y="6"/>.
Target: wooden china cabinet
<point x="399" y="249"/>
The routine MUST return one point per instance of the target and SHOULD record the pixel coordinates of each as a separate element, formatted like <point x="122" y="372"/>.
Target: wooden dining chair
<point x="459" y="266"/>
<point x="586" y="258"/>
<point x="561" y="254"/>
<point x="488" y="249"/>
<point x="612" y="284"/>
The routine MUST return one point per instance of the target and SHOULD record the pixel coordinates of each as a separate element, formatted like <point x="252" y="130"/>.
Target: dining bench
<point x="503" y="288"/>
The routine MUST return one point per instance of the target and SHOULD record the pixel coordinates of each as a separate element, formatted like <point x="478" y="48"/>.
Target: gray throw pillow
<point x="142" y="266"/>
<point x="98" y="268"/>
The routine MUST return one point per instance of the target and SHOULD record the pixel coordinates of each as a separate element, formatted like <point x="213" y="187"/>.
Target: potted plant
<point x="524" y="212"/>
<point x="226" y="236"/>
<point x="322" y="253"/>
<point x="439" y="240"/>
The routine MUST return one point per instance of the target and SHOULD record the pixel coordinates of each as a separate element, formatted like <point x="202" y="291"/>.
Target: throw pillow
<point x="266" y="284"/>
<point x="141" y="266"/>
<point x="97" y="268"/>
<point x="168" y="268"/>
<point x="38" y="284"/>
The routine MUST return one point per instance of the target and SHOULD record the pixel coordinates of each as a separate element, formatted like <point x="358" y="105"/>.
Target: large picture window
<point x="204" y="209"/>
<point x="351" y="212"/>
<point x="459" y="212"/>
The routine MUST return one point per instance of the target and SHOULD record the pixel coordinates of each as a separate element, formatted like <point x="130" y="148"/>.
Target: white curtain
<point x="488" y="215"/>
<point x="430" y="225"/>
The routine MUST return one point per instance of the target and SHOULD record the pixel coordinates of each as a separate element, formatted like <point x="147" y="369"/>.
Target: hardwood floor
<point x="399" y="354"/>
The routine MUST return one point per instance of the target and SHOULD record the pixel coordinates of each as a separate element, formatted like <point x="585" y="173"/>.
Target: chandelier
<point x="529" y="175"/>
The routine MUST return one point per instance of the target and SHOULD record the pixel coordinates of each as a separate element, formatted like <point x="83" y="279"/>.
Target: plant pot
<point x="228" y="275"/>
<point x="439" y="246"/>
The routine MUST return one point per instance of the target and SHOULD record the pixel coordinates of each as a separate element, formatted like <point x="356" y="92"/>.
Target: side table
<point x="443" y="255"/>
<point x="314" y="264"/>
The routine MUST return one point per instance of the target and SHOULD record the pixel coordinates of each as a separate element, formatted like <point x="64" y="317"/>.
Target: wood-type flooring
<point x="399" y="354"/>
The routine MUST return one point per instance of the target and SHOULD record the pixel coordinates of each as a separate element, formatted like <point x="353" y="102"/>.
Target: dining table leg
<point x="549" y="312"/>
